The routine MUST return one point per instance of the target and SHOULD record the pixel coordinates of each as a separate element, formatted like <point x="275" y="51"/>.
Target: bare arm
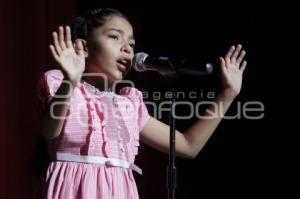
<point x="157" y="134"/>
<point x="190" y="143"/>
<point x="53" y="116"/>
<point x="72" y="64"/>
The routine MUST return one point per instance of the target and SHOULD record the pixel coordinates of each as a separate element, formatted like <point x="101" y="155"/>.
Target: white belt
<point x="98" y="160"/>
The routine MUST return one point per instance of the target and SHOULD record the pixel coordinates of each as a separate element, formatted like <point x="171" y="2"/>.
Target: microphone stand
<point x="171" y="169"/>
<point x="170" y="71"/>
<point x="172" y="172"/>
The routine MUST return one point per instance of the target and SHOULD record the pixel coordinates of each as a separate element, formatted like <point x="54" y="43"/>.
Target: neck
<point x="99" y="83"/>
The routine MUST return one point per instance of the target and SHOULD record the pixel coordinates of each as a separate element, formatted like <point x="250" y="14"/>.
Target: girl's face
<point x="112" y="48"/>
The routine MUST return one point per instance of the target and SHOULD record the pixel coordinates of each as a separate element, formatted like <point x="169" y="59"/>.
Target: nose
<point x="126" y="48"/>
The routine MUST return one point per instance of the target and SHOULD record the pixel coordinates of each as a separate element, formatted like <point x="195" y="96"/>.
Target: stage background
<point x="239" y="160"/>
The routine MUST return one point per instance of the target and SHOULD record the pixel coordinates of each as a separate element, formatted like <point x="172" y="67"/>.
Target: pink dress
<point x="99" y="126"/>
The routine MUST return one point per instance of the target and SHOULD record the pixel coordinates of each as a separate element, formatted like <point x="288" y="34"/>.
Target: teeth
<point x="123" y="62"/>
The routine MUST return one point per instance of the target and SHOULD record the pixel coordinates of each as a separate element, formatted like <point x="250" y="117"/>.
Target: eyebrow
<point x="121" y="32"/>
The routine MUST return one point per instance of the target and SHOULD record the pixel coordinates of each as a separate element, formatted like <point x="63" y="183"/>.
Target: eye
<point x="116" y="37"/>
<point x="132" y="45"/>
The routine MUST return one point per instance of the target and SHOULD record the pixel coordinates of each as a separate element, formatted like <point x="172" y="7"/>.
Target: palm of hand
<point x="232" y="68"/>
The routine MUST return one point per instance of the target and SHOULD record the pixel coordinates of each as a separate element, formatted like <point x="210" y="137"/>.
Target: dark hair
<point x="83" y="25"/>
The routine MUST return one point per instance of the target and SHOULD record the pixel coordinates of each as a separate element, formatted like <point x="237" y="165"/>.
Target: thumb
<point x="223" y="65"/>
<point x="78" y="46"/>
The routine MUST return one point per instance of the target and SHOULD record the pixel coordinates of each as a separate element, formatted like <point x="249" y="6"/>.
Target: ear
<point x="84" y="44"/>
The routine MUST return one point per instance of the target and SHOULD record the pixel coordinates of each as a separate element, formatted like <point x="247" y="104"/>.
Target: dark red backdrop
<point x="25" y="32"/>
<point x="238" y="146"/>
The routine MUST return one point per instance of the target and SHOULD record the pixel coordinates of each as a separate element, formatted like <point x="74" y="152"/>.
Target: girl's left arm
<point x="156" y="134"/>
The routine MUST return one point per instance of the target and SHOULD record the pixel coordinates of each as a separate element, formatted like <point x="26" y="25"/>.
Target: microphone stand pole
<point x="172" y="173"/>
<point x="170" y="70"/>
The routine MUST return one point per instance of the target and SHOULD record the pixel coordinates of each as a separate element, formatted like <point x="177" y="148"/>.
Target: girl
<point x="92" y="132"/>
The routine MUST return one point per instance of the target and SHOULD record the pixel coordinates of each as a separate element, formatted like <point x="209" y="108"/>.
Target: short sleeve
<point x="48" y="84"/>
<point x="141" y="109"/>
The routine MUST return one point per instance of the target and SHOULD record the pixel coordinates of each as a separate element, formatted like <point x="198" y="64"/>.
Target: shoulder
<point x="49" y="82"/>
<point x="54" y="74"/>
<point x="131" y="92"/>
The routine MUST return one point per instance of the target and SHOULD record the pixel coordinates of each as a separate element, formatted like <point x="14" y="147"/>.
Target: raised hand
<point x="232" y="69"/>
<point x="71" y="61"/>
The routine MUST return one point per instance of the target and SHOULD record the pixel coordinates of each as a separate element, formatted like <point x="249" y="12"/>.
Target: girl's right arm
<point x="55" y="112"/>
<point x="72" y="64"/>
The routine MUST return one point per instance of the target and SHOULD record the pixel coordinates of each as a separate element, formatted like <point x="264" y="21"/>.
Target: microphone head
<point x="138" y="62"/>
<point x="209" y="68"/>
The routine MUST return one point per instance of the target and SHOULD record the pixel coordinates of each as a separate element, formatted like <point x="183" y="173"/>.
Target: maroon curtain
<point x="25" y="35"/>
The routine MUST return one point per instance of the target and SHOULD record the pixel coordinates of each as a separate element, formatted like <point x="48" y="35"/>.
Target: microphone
<point x="169" y="66"/>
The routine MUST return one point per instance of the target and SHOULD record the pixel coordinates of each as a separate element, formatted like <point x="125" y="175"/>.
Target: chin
<point x="116" y="76"/>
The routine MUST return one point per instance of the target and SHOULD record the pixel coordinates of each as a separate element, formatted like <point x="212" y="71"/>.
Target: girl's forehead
<point x="117" y="22"/>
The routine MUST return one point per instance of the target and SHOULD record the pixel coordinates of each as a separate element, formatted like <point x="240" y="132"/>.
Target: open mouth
<point x="123" y="64"/>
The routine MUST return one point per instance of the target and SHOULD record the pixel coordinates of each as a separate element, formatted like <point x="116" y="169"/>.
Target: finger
<point x="61" y="38"/>
<point x="229" y="54"/>
<point x="236" y="53"/>
<point x="54" y="53"/>
<point x="68" y="37"/>
<point x="79" y="47"/>
<point x="241" y="57"/>
<point x="243" y="67"/>
<point x="56" y="43"/>
<point x="223" y="65"/>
